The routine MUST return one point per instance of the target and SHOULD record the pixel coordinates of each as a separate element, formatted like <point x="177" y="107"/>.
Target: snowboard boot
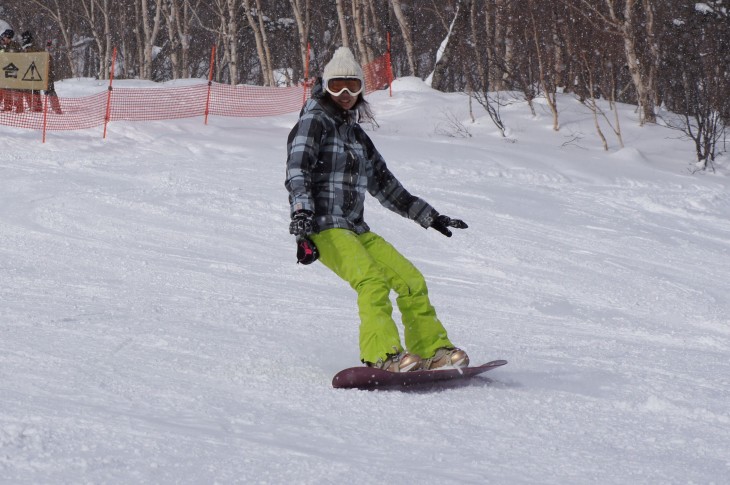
<point x="400" y="362"/>
<point x="445" y="357"/>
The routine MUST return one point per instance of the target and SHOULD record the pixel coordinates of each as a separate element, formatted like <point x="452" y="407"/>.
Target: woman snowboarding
<point x="331" y="164"/>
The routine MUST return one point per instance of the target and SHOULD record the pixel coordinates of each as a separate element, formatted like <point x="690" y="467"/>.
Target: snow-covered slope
<point x="154" y="327"/>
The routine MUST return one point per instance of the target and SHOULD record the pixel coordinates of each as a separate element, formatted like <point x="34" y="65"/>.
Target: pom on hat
<point x="343" y="64"/>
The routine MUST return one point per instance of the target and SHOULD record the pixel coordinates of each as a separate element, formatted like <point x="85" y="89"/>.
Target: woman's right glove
<point x="307" y="252"/>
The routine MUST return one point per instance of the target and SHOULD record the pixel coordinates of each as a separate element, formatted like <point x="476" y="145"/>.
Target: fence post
<point x="390" y="68"/>
<point x="109" y="95"/>
<point x="45" y="115"/>
<point x="210" y="83"/>
<point x="45" y="100"/>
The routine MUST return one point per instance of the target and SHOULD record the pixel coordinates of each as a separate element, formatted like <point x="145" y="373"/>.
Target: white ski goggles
<point x="337" y="85"/>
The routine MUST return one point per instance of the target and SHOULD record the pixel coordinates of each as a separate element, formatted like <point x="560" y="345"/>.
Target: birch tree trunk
<point x="343" y="23"/>
<point x="301" y="9"/>
<point x="503" y="31"/>
<point x="640" y="79"/>
<point x="172" y="12"/>
<point x="183" y="23"/>
<point x="92" y="10"/>
<point x="406" y="32"/>
<point x="265" y="41"/>
<point x="372" y="27"/>
<point x="226" y="18"/>
<point x="650" y="27"/>
<point x="260" y="49"/>
<point x="150" y="30"/>
<point x="479" y="50"/>
<point x="357" y="19"/>
<point x="546" y="79"/>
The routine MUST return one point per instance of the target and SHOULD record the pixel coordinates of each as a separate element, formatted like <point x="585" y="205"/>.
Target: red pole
<point x="210" y="83"/>
<point x="45" y="101"/>
<point x="390" y="69"/>
<point x="306" y="75"/>
<point x="109" y="96"/>
<point x="45" y="115"/>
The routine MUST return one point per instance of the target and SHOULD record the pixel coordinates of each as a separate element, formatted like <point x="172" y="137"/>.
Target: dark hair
<point x="364" y="112"/>
<point x="27" y="37"/>
<point x="9" y="34"/>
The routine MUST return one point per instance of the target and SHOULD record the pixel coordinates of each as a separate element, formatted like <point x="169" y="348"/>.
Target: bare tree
<point x="360" y="32"/>
<point x="97" y="13"/>
<point x="220" y="18"/>
<point x="265" y="40"/>
<point x="149" y="15"/>
<point x="631" y="24"/>
<point x="406" y="32"/>
<point x="541" y="33"/>
<point x="60" y="12"/>
<point x="262" y="49"/>
<point x="449" y="52"/>
<point x="343" y="23"/>
<point x="301" y="10"/>
<point x="178" y="18"/>
<point x="697" y="84"/>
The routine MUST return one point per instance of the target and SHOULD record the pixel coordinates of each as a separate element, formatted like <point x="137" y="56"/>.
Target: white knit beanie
<point x="343" y="64"/>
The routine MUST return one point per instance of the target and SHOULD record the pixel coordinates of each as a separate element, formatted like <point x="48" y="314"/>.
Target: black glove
<point x="442" y="223"/>
<point x="306" y="251"/>
<point x="302" y="224"/>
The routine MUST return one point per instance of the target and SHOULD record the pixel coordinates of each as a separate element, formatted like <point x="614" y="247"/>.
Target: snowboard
<point x="369" y="378"/>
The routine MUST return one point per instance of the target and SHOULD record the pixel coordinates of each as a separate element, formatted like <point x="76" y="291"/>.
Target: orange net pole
<point x="210" y="83"/>
<point x="390" y="68"/>
<point x="45" y="116"/>
<point x="45" y="101"/>
<point x="109" y="95"/>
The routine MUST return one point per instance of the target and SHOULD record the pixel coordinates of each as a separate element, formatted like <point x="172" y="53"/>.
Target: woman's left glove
<point x="442" y="223"/>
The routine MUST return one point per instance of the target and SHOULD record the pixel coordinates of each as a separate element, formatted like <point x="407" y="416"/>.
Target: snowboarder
<point x="331" y="163"/>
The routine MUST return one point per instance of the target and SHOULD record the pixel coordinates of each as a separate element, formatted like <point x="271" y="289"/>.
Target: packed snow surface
<point x="155" y="328"/>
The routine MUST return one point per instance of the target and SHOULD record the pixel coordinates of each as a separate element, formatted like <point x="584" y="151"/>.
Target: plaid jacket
<point x="332" y="162"/>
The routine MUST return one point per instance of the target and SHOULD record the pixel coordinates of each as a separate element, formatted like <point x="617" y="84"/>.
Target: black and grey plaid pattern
<point x="332" y="163"/>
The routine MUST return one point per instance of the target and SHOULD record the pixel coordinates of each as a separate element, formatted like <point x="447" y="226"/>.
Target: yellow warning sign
<point x="24" y="70"/>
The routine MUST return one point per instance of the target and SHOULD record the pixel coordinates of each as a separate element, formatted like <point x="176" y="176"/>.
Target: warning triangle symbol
<point x="32" y="74"/>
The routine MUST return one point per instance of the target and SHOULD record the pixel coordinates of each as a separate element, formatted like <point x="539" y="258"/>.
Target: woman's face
<point x="345" y="100"/>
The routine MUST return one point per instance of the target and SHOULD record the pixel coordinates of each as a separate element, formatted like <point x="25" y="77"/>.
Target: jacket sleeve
<point x="302" y="152"/>
<point x="390" y="192"/>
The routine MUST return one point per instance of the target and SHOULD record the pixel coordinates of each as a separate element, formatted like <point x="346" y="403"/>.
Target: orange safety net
<point x="254" y="101"/>
<point x="23" y="109"/>
<point x="378" y="74"/>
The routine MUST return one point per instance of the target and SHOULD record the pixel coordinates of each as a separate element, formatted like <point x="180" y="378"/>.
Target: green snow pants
<point x="373" y="267"/>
